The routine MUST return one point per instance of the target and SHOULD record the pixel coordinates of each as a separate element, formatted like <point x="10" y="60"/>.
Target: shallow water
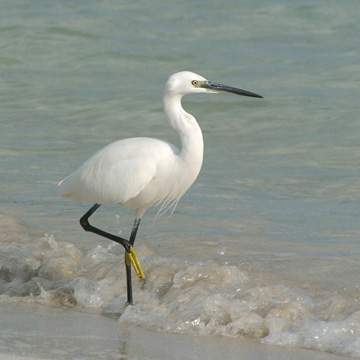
<point x="266" y="243"/>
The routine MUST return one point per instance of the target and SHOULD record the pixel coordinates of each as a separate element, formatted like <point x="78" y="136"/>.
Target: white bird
<point x="141" y="172"/>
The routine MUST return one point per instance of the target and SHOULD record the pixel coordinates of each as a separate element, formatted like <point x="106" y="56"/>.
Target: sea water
<point x="265" y="245"/>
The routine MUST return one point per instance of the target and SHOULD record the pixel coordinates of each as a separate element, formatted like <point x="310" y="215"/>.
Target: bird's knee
<point x="84" y="222"/>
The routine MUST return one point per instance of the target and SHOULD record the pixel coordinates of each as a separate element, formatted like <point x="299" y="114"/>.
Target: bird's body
<point x="141" y="172"/>
<point x="135" y="172"/>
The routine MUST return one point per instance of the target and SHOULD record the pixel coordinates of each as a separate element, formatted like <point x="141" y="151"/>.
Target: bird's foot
<point x="131" y="257"/>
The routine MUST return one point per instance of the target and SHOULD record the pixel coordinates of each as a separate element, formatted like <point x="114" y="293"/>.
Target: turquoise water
<point x="277" y="200"/>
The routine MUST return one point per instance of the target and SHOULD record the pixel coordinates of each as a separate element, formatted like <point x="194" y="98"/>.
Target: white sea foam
<point x="180" y="296"/>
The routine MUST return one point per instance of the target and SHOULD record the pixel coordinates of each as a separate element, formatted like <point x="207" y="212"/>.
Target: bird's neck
<point x="188" y="129"/>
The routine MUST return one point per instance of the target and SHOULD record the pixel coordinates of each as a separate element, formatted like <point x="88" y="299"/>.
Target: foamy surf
<point x="180" y="296"/>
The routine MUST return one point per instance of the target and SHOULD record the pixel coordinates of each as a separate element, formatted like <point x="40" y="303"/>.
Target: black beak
<point x="229" y="89"/>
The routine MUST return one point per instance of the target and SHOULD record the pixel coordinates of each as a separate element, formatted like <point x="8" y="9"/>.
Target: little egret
<point x="141" y="172"/>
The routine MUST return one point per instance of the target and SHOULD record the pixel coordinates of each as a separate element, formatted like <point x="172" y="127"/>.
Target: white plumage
<point x="136" y="173"/>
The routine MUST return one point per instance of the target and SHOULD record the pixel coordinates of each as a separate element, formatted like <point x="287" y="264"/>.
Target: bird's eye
<point x="195" y="82"/>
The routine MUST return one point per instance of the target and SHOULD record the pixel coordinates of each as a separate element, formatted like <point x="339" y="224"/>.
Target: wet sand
<point x="31" y="331"/>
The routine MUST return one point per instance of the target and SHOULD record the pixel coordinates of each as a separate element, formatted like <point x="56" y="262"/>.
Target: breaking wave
<point x="179" y="296"/>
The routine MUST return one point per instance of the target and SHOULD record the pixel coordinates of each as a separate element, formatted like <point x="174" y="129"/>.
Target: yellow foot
<point x="131" y="257"/>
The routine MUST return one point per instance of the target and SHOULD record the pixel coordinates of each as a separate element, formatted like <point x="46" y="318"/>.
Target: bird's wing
<point x="127" y="179"/>
<point x="102" y="181"/>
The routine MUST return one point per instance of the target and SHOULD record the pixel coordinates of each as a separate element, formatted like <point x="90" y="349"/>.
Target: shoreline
<point x="36" y="332"/>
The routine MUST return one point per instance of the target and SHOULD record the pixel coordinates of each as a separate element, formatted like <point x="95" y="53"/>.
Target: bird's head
<point x="187" y="82"/>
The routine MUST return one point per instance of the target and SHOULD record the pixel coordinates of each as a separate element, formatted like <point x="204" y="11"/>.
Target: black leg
<point x="134" y="231"/>
<point x="127" y="266"/>
<point x="84" y="221"/>
<point x="127" y="244"/>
